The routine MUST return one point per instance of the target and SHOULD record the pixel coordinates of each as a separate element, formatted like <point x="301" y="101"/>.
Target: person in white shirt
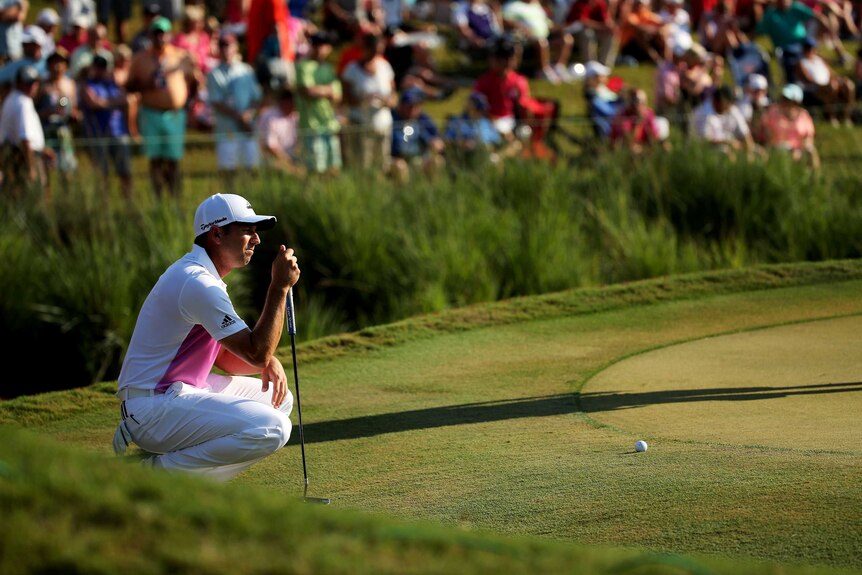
<point x="528" y="18"/>
<point x="753" y="103"/>
<point x="678" y="23"/>
<point x="834" y="92"/>
<point x="720" y="123"/>
<point x="23" y="142"/>
<point x="369" y="91"/>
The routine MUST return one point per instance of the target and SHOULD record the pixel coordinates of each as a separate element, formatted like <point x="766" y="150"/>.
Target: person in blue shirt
<point x="471" y="136"/>
<point x="416" y="142"/>
<point x="235" y="97"/>
<point x="602" y="103"/>
<point x="106" y="126"/>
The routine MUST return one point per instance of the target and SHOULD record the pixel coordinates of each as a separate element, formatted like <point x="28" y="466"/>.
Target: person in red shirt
<point x="510" y="102"/>
<point x="635" y="125"/>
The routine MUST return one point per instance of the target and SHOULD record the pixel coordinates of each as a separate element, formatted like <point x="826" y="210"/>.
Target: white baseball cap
<point x="48" y="17"/>
<point x="223" y="209"/>
<point x="793" y="93"/>
<point x="758" y="82"/>
<point x="594" y="68"/>
<point x="34" y="35"/>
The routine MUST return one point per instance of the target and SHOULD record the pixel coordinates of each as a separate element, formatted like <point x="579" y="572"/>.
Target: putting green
<point x="793" y="386"/>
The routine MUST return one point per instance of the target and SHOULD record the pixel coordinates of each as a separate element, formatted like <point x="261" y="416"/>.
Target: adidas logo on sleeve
<point x="227" y="322"/>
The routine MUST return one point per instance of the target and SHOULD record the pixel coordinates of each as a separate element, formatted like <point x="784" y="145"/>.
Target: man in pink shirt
<point x="788" y="126"/>
<point x="173" y="405"/>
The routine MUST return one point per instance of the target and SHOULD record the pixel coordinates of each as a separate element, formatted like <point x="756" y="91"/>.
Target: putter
<point x="291" y="329"/>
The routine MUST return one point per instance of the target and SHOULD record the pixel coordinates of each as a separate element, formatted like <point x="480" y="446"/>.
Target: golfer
<point x="173" y="406"/>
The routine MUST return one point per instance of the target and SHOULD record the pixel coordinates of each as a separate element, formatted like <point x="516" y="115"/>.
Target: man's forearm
<point x="267" y="332"/>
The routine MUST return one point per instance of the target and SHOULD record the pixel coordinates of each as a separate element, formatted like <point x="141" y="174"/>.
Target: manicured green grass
<point x="68" y="512"/>
<point x="472" y="418"/>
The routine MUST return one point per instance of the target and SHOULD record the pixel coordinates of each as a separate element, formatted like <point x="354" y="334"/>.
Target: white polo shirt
<point x="19" y="122"/>
<point x="180" y="324"/>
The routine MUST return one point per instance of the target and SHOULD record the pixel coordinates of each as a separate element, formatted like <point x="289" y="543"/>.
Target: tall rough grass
<point x="371" y="251"/>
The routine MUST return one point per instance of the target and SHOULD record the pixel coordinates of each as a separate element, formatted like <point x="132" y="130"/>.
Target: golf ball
<point x="640" y="446"/>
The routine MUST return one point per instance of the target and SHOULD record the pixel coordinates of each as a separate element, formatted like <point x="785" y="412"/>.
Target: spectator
<point x="416" y="142"/>
<point x="105" y="124"/>
<point x="31" y="42"/>
<point x="369" y="90"/>
<point x="278" y="133"/>
<point x="22" y="139"/>
<point x="479" y="26"/>
<point x="122" y="65"/>
<point x="121" y="12"/>
<point x="471" y="137"/>
<point x="720" y="123"/>
<point x="299" y="30"/>
<point x="195" y="40"/>
<point x="528" y="19"/>
<point x="835" y="92"/>
<point x="343" y="16"/>
<point x="76" y="35"/>
<point x="165" y="76"/>
<point x="13" y="13"/>
<point x="319" y="92"/>
<point x="643" y="34"/>
<point x="234" y="96"/>
<point x="719" y="29"/>
<point x="510" y="102"/>
<point x="269" y="21"/>
<point x="788" y="127"/>
<point x="235" y="19"/>
<point x="353" y="51"/>
<point x="603" y="104"/>
<point x="49" y="21"/>
<point x="668" y="87"/>
<point x="413" y="65"/>
<point x="97" y="44"/>
<point x="678" y="26"/>
<point x="696" y="80"/>
<point x="591" y="24"/>
<point x="80" y="13"/>
<point x="754" y="102"/>
<point x="141" y="40"/>
<point x="57" y="106"/>
<point x="786" y="24"/>
<point x="635" y="126"/>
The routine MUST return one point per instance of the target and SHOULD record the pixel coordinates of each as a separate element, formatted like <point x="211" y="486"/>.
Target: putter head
<point x="318" y="500"/>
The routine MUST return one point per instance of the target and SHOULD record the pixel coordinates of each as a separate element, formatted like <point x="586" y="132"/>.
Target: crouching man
<point x="173" y="405"/>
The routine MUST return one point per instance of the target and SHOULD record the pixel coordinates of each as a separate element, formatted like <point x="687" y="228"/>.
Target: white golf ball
<point x="640" y="446"/>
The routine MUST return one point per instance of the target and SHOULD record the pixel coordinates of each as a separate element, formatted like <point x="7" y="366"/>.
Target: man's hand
<point x="285" y="270"/>
<point x="274" y="373"/>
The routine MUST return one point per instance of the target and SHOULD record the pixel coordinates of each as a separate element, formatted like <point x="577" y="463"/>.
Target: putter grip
<point x="291" y="320"/>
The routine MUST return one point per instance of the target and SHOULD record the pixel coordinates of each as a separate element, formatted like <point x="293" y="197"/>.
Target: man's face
<point x="410" y="111"/>
<point x="227" y="50"/>
<point x="238" y="242"/>
<point x="159" y="38"/>
<point x="322" y="51"/>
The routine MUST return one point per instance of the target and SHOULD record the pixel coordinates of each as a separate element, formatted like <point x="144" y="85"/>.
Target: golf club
<point x="291" y="329"/>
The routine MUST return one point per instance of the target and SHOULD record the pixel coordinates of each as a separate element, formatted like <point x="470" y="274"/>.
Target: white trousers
<point x="218" y="432"/>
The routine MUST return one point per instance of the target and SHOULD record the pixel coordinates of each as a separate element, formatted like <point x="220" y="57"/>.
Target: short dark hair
<point x="723" y="94"/>
<point x="503" y="49"/>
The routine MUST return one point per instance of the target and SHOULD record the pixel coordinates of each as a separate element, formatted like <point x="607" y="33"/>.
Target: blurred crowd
<point x="314" y="86"/>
